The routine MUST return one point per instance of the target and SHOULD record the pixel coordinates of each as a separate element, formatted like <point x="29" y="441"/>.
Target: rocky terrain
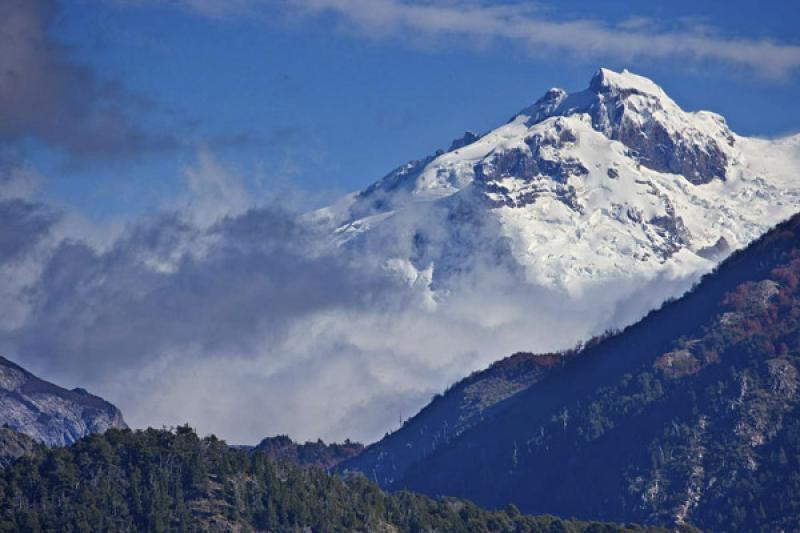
<point x="48" y="413"/>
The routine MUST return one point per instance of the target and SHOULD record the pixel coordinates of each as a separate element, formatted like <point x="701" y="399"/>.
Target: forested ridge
<point x="690" y="415"/>
<point x="281" y="447"/>
<point x="172" y="480"/>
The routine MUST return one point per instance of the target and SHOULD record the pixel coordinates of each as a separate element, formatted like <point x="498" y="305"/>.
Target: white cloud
<point x="212" y="192"/>
<point x="245" y="322"/>
<point x="469" y="21"/>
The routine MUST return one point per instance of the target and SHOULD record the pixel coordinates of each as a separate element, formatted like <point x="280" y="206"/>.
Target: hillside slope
<point x="689" y="415"/>
<point x="463" y="405"/>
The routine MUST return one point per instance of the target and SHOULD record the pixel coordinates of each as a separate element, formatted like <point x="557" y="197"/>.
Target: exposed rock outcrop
<point x="48" y="413"/>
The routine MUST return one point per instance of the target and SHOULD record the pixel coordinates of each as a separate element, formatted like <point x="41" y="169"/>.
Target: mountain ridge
<point x="49" y="413"/>
<point x="283" y="448"/>
<point x="641" y="425"/>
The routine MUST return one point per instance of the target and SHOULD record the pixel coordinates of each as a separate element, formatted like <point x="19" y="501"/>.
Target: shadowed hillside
<point x="689" y="415"/>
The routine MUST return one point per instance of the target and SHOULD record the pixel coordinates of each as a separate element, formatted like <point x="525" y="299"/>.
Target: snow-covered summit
<point x="604" y="85"/>
<point x="606" y="79"/>
<point x="615" y="185"/>
<point x="638" y="113"/>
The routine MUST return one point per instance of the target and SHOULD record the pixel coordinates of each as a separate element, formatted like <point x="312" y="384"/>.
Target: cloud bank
<point x="479" y="23"/>
<point x="246" y="321"/>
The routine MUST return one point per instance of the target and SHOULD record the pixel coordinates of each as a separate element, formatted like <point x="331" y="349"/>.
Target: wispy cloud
<point x="474" y="21"/>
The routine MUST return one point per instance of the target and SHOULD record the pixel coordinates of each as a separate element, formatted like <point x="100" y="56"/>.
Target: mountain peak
<point x="606" y="80"/>
<point x="605" y="85"/>
<point x="630" y="183"/>
<point x="635" y="111"/>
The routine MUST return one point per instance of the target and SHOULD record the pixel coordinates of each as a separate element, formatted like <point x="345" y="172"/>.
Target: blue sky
<point x="320" y="97"/>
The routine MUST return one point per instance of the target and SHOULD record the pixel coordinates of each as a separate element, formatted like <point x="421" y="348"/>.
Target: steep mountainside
<point x="463" y="405"/>
<point x="598" y="193"/>
<point x="282" y="448"/>
<point x="173" y="481"/>
<point x="692" y="414"/>
<point x="49" y="413"/>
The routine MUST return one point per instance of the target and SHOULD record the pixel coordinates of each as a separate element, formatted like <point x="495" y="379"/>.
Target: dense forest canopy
<point x="161" y="480"/>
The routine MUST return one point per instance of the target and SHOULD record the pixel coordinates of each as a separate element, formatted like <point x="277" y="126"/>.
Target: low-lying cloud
<point x="247" y="321"/>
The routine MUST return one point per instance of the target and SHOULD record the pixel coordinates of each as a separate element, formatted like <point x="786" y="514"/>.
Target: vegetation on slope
<point x="158" y="481"/>
<point x="691" y="415"/>
<point x="448" y="415"/>
<point x="282" y="448"/>
<point x="14" y="445"/>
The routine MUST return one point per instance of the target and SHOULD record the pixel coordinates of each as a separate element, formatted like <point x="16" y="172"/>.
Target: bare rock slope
<point x="48" y="413"/>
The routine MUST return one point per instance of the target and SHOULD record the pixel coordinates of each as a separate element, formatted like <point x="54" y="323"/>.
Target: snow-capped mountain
<point x="615" y="185"/>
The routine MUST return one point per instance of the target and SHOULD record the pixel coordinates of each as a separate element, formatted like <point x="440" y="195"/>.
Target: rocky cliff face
<point x="638" y="113"/>
<point x="48" y="413"/>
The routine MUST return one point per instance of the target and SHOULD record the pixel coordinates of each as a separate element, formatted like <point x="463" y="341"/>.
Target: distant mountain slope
<point x="174" y="481"/>
<point x="463" y="405"/>
<point x="689" y="415"/>
<point x="49" y="413"/>
<point x="282" y="448"/>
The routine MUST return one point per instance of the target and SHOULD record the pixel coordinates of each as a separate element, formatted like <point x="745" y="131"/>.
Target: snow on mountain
<point x="595" y="195"/>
